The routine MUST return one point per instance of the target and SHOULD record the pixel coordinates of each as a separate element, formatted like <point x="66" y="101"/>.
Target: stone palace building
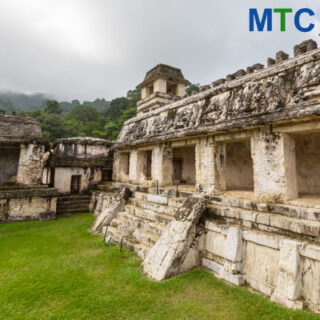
<point x="227" y="178"/>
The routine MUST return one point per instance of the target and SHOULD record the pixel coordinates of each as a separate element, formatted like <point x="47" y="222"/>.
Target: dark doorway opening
<point x="177" y="169"/>
<point x="107" y="175"/>
<point x="75" y="184"/>
<point x="9" y="162"/>
<point x="149" y="164"/>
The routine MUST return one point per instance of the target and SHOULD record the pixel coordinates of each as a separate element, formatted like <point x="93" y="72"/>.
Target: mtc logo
<point x="266" y="19"/>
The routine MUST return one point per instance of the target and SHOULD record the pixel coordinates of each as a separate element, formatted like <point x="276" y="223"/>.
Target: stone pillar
<point x="144" y="93"/>
<point x="210" y="166"/>
<point x="133" y="167"/>
<point x="181" y="90"/>
<point x="274" y="166"/>
<point x="31" y="162"/>
<point x="219" y="178"/>
<point x="288" y="290"/>
<point x="205" y="165"/>
<point x="156" y="164"/>
<point x="166" y="168"/>
<point x="233" y="254"/>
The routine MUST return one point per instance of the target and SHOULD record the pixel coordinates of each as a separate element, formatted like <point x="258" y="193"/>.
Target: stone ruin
<point x="75" y="167"/>
<point x="37" y="182"/>
<point x="23" y="153"/>
<point x="227" y="179"/>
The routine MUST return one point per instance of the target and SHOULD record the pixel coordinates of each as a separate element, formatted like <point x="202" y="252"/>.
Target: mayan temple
<point x="226" y="178"/>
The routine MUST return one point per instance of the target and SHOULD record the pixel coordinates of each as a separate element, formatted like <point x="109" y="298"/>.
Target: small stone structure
<point x="251" y="146"/>
<point x="77" y="164"/>
<point x="22" y="158"/>
<point x="162" y="84"/>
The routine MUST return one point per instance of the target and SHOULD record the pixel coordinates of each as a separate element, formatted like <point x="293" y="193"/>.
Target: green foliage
<point x="53" y="126"/>
<point x="84" y="119"/>
<point x="52" y="106"/>
<point x="192" y="87"/>
<point x="83" y="113"/>
<point x="59" y="270"/>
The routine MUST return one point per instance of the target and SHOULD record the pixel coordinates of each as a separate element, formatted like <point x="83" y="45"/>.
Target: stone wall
<point x="31" y="163"/>
<point x="283" y="268"/>
<point x="28" y="208"/>
<point x="281" y="92"/>
<point x="89" y="177"/>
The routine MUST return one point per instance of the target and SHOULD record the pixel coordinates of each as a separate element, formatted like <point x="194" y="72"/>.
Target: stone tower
<point x="162" y="84"/>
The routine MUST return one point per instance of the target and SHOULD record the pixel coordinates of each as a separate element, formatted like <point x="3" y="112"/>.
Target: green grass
<point x="58" y="270"/>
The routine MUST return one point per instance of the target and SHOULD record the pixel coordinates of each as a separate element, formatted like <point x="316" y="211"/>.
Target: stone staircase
<point x="282" y="219"/>
<point x="141" y="224"/>
<point x="69" y="204"/>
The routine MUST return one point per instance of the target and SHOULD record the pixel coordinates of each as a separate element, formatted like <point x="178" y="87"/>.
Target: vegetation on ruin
<point x="58" y="270"/>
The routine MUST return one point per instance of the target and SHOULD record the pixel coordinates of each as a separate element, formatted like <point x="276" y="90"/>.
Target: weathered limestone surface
<point x="108" y="207"/>
<point x="168" y="256"/>
<point x="28" y="208"/>
<point x="20" y="129"/>
<point x="31" y="164"/>
<point x="285" y="91"/>
<point x="274" y="165"/>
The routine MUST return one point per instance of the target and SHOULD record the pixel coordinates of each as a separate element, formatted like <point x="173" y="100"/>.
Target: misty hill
<point x="20" y="102"/>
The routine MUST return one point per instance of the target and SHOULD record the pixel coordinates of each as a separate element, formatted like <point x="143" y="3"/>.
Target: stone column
<point x="166" y="168"/>
<point x="133" y="167"/>
<point x="274" y="166"/>
<point x="31" y="164"/>
<point x="288" y="290"/>
<point x="219" y="186"/>
<point x="210" y="166"/>
<point x="156" y="164"/>
<point x="205" y="165"/>
<point x="233" y="254"/>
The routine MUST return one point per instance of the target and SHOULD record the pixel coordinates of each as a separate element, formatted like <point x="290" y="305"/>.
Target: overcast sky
<point x="86" y="49"/>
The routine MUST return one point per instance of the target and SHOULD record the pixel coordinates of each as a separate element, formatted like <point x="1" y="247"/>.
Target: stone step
<point x="160" y="208"/>
<point x="148" y="214"/>
<point x="288" y="210"/>
<point x="74" y="197"/>
<point x="146" y="238"/>
<point x="130" y="219"/>
<point x="63" y="206"/>
<point x="265" y="221"/>
<point x="151" y="197"/>
<point x="154" y="228"/>
<point x="78" y="210"/>
<point x="130" y="223"/>
<point x="176" y="202"/>
<point x="72" y="202"/>
<point x="129" y="242"/>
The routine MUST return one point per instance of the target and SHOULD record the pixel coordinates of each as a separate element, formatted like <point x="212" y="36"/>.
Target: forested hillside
<point x="98" y="118"/>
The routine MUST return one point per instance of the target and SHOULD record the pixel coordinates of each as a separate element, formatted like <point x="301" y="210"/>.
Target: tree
<point x="83" y="113"/>
<point x="52" y="106"/>
<point x="192" y="87"/>
<point x="53" y="126"/>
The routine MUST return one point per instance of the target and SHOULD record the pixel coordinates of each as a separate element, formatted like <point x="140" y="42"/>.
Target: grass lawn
<point x="58" y="270"/>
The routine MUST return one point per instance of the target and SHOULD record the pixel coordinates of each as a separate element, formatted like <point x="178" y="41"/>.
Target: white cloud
<point x="102" y="48"/>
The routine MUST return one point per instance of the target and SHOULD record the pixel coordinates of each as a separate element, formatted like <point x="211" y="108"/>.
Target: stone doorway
<point x="184" y="165"/>
<point x="239" y="166"/>
<point x="9" y="162"/>
<point x="75" y="184"/>
<point x="148" y="165"/>
<point x="307" y="147"/>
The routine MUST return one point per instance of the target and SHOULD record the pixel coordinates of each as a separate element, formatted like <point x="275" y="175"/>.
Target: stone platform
<point x="271" y="247"/>
<point x="22" y="203"/>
